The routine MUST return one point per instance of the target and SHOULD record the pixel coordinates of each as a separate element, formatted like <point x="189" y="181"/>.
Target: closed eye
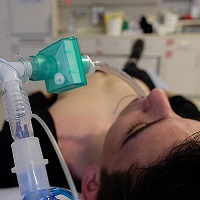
<point x="138" y="131"/>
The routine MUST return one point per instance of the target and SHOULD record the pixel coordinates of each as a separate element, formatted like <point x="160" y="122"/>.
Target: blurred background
<point x="106" y="30"/>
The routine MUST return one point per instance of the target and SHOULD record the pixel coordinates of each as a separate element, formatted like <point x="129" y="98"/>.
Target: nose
<point x="157" y="103"/>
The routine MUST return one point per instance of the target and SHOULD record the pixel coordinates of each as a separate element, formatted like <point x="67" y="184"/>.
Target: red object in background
<point x="187" y="16"/>
<point x="170" y="42"/>
<point x="68" y="2"/>
<point x="169" y="54"/>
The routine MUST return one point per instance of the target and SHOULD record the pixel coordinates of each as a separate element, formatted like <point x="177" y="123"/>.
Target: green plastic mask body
<point x="60" y="65"/>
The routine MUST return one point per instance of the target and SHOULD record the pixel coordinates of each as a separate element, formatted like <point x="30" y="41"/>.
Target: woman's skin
<point x="83" y="116"/>
<point x="145" y="130"/>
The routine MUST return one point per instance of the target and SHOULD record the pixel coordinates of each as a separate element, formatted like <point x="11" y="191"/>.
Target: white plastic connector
<point x="22" y="69"/>
<point x="92" y="68"/>
<point x="29" y="165"/>
<point x="8" y="72"/>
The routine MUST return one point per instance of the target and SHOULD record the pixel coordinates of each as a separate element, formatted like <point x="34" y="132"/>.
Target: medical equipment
<point x="62" y="68"/>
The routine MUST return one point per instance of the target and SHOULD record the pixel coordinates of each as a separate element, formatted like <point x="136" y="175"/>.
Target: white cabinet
<point x="115" y="51"/>
<point x="5" y="49"/>
<point x="5" y="42"/>
<point x="113" y="2"/>
<point x="182" y="66"/>
<point x="29" y="18"/>
<point x="27" y="47"/>
<point x="175" y="59"/>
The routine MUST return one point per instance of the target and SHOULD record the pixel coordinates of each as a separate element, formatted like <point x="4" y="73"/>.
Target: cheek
<point x="121" y="160"/>
<point x="110" y="152"/>
<point x="109" y="149"/>
<point x="151" y="147"/>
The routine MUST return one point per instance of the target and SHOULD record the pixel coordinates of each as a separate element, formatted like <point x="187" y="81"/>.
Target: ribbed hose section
<point x="17" y="111"/>
<point x="16" y="106"/>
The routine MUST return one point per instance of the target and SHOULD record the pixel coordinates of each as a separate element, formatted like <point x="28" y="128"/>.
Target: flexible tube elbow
<point x="17" y="110"/>
<point x="122" y="75"/>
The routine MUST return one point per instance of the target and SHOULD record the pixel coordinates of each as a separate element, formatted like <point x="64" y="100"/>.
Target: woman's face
<point x="145" y="130"/>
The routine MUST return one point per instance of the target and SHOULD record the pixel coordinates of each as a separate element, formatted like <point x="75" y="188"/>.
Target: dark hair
<point x="176" y="176"/>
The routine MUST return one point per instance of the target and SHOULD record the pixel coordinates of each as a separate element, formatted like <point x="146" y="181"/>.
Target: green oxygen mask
<point x="60" y="65"/>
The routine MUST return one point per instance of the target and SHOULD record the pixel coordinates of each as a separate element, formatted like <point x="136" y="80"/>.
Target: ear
<point x="90" y="183"/>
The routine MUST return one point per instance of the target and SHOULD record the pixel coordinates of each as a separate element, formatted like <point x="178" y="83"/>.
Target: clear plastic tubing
<point x="17" y="110"/>
<point x="60" y="157"/>
<point x="119" y="73"/>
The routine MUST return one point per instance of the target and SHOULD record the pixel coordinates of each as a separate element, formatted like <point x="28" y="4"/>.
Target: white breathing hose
<point x="120" y="74"/>
<point x="60" y="157"/>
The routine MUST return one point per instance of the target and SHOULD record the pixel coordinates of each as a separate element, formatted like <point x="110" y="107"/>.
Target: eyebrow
<point x="139" y="131"/>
